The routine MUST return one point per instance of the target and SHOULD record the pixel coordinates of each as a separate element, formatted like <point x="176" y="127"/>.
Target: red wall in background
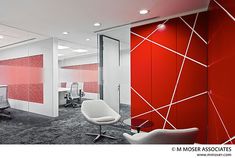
<point x="24" y="77"/>
<point x="91" y="87"/>
<point x="221" y="72"/>
<point x="183" y="98"/>
<point x="170" y="68"/>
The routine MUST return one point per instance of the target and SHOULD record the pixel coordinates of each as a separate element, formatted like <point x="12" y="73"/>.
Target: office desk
<point x="62" y="92"/>
<point x="60" y="89"/>
<point x="1" y="85"/>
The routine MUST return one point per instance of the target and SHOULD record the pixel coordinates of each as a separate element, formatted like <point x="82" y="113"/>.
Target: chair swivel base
<point x="73" y="104"/>
<point x="5" y="114"/>
<point x="100" y="135"/>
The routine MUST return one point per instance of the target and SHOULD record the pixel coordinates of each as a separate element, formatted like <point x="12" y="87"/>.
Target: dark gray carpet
<point x="69" y="128"/>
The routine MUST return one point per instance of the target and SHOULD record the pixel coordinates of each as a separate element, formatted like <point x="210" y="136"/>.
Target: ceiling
<point x="122" y="34"/>
<point x="70" y="51"/>
<point x="12" y="36"/>
<point x="52" y="17"/>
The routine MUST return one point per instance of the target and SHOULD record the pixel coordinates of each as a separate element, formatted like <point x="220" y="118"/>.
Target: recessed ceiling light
<point x="62" y="47"/>
<point x="88" y="39"/>
<point x="143" y="11"/>
<point x="1" y="36"/>
<point x="80" y="50"/>
<point x="65" y="33"/>
<point x="97" y="24"/>
<point x="161" y="26"/>
<point x="60" y="55"/>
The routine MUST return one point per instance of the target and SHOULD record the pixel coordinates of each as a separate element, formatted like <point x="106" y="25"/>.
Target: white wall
<point x="80" y="60"/>
<point x="50" y="68"/>
<point x="125" y="77"/>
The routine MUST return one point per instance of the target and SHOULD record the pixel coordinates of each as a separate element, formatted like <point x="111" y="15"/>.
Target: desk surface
<point x="3" y="85"/>
<point x="60" y="89"/>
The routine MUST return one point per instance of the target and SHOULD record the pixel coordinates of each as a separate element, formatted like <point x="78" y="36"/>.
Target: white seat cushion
<point x="104" y="119"/>
<point x="139" y="135"/>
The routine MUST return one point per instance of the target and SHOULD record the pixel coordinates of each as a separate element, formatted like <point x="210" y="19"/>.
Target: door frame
<point x="101" y="52"/>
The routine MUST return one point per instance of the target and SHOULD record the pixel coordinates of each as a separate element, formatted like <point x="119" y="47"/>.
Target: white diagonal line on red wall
<point x="221" y="120"/>
<point x="181" y="69"/>
<point x="171" y="50"/>
<point x="229" y="140"/>
<point x="230" y="15"/>
<point x="153" y="108"/>
<point x="177" y="102"/>
<point x="155" y="30"/>
<point x="188" y="58"/>
<point x="193" y="30"/>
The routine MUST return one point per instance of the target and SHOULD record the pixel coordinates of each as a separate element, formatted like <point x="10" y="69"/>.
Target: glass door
<point x="109" y="61"/>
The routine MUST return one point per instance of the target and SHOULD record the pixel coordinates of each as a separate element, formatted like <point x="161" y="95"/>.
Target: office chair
<point x="74" y="96"/>
<point x="81" y="91"/>
<point x="80" y="86"/>
<point x="4" y="104"/>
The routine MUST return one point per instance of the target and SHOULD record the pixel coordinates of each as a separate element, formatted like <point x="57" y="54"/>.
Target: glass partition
<point x="77" y="64"/>
<point x="110" y="59"/>
<point x="114" y="58"/>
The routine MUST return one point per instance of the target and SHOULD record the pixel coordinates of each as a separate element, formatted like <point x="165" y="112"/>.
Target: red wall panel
<point x="228" y="5"/>
<point x="221" y="85"/>
<point x="209" y="66"/>
<point x="24" y="77"/>
<point x="157" y="76"/>
<point x="163" y="73"/>
<point x="142" y="71"/>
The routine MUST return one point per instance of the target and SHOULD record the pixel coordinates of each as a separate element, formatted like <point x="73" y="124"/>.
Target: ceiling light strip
<point x="152" y="107"/>
<point x="181" y="69"/>
<point x="131" y="23"/>
<point x="221" y="120"/>
<point x="24" y="30"/>
<point x="12" y="44"/>
<point x="230" y="15"/>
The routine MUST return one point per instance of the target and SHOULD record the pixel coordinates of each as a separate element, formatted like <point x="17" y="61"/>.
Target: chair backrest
<point x="96" y="108"/>
<point x="3" y="95"/>
<point x="74" y="90"/>
<point x="171" y="136"/>
<point x="81" y="85"/>
<point x="68" y="84"/>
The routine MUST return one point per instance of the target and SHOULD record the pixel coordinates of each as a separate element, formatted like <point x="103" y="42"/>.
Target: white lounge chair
<point x="99" y="113"/>
<point x="164" y="136"/>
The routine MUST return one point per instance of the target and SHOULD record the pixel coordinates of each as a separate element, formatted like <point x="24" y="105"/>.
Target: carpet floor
<point x="69" y="128"/>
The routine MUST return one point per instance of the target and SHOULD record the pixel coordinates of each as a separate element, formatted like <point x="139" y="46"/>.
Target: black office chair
<point x="4" y="104"/>
<point x="75" y="95"/>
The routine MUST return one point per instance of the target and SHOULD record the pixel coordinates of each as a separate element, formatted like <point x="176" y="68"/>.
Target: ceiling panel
<point x="12" y="36"/>
<point x="51" y="18"/>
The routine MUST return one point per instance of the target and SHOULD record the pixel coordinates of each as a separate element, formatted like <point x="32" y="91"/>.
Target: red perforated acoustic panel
<point x="24" y="77"/>
<point x="88" y="72"/>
